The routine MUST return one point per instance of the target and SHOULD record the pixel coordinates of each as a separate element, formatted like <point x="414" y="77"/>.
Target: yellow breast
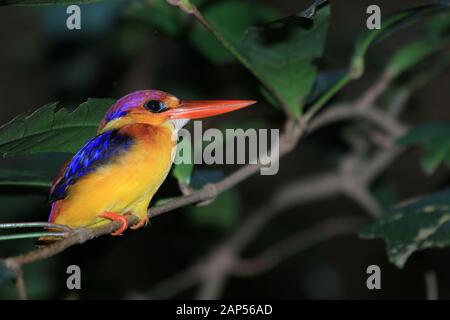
<point x="125" y="186"/>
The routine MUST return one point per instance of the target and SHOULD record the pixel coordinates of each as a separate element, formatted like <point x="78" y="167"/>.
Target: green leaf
<point x="420" y="225"/>
<point x="183" y="171"/>
<point x="388" y="25"/>
<point x="283" y="52"/>
<point x="45" y="2"/>
<point x="435" y="138"/>
<point x="25" y="179"/>
<point x="51" y="130"/>
<point x="231" y="19"/>
<point x="412" y="54"/>
<point x="434" y="38"/>
<point x="222" y="214"/>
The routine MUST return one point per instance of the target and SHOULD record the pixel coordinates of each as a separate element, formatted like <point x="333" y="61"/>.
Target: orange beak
<point x="206" y="108"/>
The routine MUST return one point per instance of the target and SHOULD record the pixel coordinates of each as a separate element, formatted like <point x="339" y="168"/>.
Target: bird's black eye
<point x="155" y="106"/>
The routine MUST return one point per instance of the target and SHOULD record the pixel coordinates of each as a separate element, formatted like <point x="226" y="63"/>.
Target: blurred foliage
<point x="435" y="140"/>
<point x="411" y="54"/>
<point x="434" y="38"/>
<point x="389" y="25"/>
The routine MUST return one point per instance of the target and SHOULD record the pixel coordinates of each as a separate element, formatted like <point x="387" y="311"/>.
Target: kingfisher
<point x="118" y="172"/>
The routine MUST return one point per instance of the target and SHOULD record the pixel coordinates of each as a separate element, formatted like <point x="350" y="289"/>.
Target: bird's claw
<point x="116" y="217"/>
<point x="142" y="223"/>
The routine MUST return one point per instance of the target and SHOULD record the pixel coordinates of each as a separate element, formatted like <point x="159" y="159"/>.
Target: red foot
<point x="116" y="217"/>
<point x="142" y="223"/>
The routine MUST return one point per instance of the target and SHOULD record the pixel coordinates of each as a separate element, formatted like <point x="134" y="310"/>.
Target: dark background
<point x="41" y="61"/>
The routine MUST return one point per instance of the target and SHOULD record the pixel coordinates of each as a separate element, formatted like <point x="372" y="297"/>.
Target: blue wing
<point x="96" y="152"/>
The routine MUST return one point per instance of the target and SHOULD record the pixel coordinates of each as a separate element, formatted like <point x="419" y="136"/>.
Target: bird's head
<point x="157" y="108"/>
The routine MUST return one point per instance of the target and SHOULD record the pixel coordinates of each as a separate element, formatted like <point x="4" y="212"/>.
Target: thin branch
<point x="305" y="190"/>
<point x="220" y="263"/>
<point x="352" y="179"/>
<point x="212" y="270"/>
<point x="372" y="115"/>
<point x="175" y="284"/>
<point x="77" y="236"/>
<point x="375" y="91"/>
<point x="365" y="199"/>
<point x="321" y="186"/>
<point x="431" y="285"/>
<point x="212" y="288"/>
<point x="20" y="285"/>
<point x="296" y="243"/>
<point x="378" y="163"/>
<point x="363" y="103"/>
